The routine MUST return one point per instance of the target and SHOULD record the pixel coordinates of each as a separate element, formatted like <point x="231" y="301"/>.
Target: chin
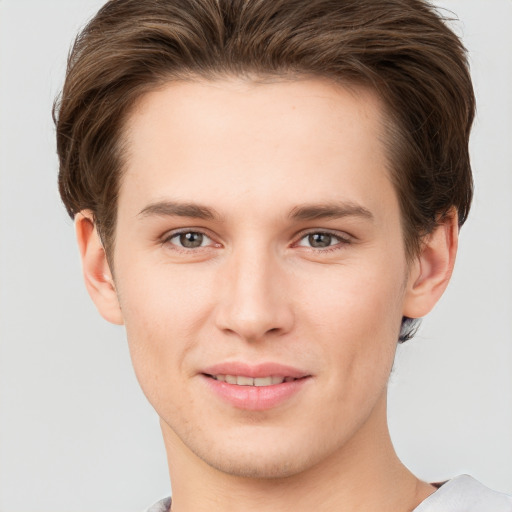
<point x="258" y="462"/>
<point x="255" y="469"/>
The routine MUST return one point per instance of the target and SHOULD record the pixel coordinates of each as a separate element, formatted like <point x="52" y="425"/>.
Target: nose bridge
<point x="254" y="299"/>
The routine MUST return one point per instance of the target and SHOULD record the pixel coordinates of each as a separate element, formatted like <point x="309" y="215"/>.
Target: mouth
<point x="242" y="380"/>
<point x="256" y="387"/>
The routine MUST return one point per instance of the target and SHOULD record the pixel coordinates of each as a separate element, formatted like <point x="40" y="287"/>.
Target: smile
<point x="259" y="391"/>
<point x="241" y="380"/>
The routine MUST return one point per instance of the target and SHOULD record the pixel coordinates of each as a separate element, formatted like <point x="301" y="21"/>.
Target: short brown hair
<point x="402" y="49"/>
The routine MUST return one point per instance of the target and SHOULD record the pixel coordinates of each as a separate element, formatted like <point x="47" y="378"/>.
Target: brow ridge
<point x="177" y="209"/>
<point x="329" y="211"/>
<point x="305" y="212"/>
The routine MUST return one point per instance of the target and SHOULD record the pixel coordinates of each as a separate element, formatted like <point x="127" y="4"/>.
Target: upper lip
<point x="255" y="370"/>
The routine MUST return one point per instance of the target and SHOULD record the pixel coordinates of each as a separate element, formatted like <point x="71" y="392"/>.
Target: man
<point x="267" y="194"/>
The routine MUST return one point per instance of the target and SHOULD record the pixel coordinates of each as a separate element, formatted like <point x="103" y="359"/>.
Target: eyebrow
<point x="306" y="212"/>
<point x="329" y="211"/>
<point x="175" y="209"/>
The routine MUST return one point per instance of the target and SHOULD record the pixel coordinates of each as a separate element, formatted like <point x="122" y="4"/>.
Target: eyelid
<point x="343" y="237"/>
<point x="169" y="235"/>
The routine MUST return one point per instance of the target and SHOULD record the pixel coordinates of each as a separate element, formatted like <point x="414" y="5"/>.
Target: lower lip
<point x="256" y="398"/>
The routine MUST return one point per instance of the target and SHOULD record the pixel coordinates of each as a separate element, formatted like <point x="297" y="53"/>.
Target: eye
<point x="322" y="240"/>
<point x="189" y="240"/>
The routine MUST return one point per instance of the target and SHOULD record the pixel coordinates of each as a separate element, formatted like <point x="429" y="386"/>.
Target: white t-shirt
<point x="465" y="494"/>
<point x="461" y="494"/>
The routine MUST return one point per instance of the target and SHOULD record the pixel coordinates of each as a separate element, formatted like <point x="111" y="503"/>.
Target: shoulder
<point x="161" y="506"/>
<point x="465" y="494"/>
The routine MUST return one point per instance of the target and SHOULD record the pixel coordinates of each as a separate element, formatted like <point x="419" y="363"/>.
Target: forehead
<point x="255" y="145"/>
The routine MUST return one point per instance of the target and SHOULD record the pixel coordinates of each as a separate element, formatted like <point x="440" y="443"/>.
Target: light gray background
<point x="75" y="431"/>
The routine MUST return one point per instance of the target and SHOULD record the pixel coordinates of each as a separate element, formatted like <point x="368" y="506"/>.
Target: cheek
<point x="352" y="300"/>
<point x="162" y="309"/>
<point x="357" y="323"/>
<point x="158" y="297"/>
<point x="359" y="337"/>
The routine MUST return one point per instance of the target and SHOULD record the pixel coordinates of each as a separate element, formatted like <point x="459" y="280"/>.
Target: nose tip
<point x="252" y="323"/>
<point x="255" y="301"/>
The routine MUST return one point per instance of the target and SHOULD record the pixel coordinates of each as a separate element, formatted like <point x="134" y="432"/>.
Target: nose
<point x="255" y="301"/>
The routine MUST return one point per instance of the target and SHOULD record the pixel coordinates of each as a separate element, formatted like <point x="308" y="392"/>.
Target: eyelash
<point x="174" y="234"/>
<point x="342" y="240"/>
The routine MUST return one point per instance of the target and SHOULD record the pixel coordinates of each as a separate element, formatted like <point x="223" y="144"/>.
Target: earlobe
<point x="96" y="271"/>
<point x="430" y="273"/>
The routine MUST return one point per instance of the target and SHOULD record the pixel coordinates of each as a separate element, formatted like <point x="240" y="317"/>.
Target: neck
<point x="364" y="475"/>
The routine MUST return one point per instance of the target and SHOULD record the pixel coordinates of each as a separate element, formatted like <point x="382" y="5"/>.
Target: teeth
<point x="263" y="381"/>
<point x="241" y="380"/>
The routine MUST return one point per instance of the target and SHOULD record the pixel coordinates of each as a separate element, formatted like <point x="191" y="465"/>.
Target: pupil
<point x="320" y="240"/>
<point x="191" y="240"/>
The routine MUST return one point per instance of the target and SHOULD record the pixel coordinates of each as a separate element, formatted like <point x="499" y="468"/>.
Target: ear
<point x="96" y="271"/>
<point x="430" y="272"/>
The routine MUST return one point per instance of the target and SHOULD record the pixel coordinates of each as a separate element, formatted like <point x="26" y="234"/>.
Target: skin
<point x="267" y="161"/>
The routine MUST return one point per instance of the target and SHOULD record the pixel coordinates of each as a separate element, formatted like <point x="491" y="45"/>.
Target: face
<point x="260" y="269"/>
